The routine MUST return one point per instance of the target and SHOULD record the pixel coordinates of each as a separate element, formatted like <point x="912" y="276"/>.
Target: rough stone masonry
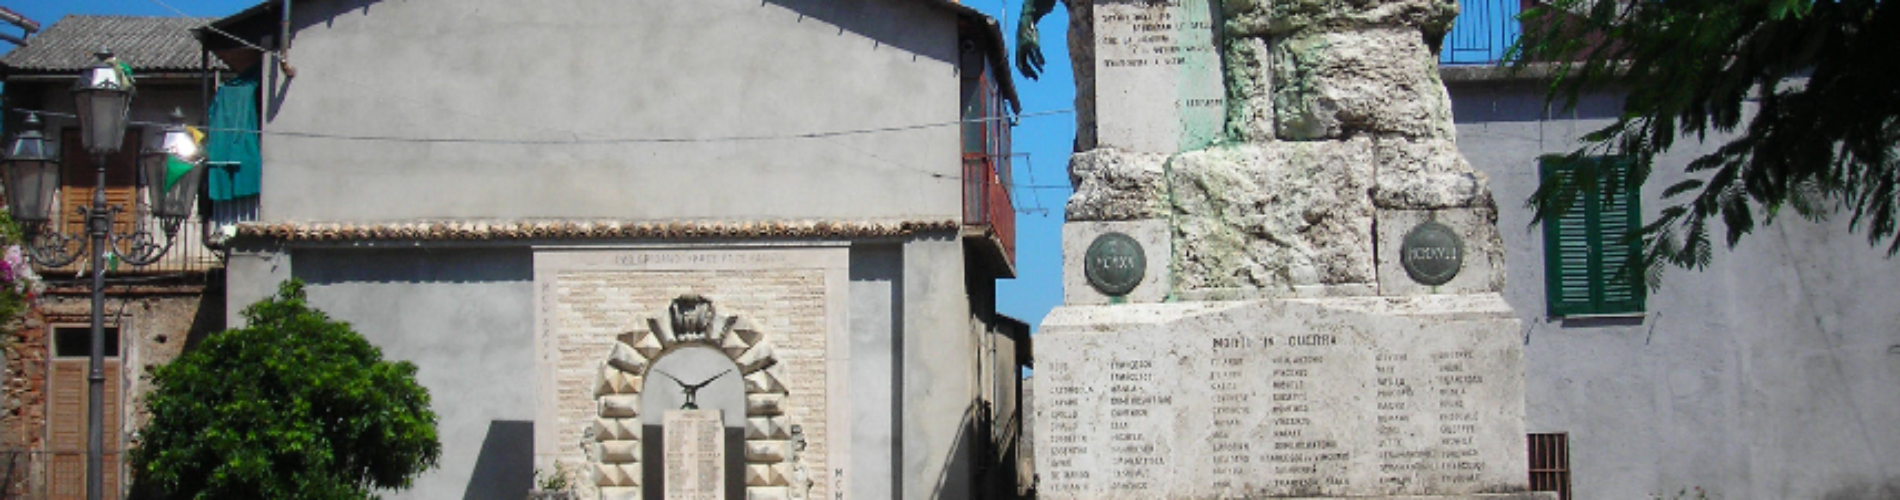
<point x="1332" y="110"/>
<point x="1280" y="151"/>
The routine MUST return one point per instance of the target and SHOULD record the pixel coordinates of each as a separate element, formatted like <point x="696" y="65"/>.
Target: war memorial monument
<point x="1282" y="279"/>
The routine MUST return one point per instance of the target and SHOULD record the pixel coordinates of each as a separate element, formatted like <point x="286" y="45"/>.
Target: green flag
<point x="125" y="70"/>
<point x="175" y="169"/>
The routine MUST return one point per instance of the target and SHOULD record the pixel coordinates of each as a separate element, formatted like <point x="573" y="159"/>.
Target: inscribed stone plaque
<point x="695" y="455"/>
<point x="1336" y="397"/>
<point x="1157" y="75"/>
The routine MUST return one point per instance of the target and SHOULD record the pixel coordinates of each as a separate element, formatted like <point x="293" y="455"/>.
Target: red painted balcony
<point x="987" y="210"/>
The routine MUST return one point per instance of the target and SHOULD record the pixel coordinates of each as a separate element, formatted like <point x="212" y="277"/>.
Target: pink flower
<point x="12" y="261"/>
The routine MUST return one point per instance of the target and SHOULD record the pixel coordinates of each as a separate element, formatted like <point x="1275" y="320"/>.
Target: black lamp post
<point x="169" y="173"/>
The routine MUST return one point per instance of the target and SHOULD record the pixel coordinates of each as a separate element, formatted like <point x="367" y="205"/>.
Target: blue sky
<point x="1047" y="141"/>
<point x="1044" y="141"/>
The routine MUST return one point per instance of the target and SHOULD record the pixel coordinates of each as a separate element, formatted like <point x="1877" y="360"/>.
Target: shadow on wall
<point x="989" y="460"/>
<point x="333" y="266"/>
<point x="873" y="20"/>
<point x="1524" y="102"/>
<point x="210" y="317"/>
<point x="1888" y="490"/>
<point x="505" y="467"/>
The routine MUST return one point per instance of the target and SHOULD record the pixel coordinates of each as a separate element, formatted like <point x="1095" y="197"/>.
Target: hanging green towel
<point x="233" y="138"/>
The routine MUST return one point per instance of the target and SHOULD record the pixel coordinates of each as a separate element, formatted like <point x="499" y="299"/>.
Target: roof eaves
<point x="148" y="43"/>
<point x="998" y="53"/>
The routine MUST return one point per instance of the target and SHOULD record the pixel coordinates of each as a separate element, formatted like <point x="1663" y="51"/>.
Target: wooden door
<point x="66" y="411"/>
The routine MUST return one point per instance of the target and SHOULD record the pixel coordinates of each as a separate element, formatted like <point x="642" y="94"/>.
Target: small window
<point x="1592" y="257"/>
<point x="1550" y="463"/>
<point x="76" y="342"/>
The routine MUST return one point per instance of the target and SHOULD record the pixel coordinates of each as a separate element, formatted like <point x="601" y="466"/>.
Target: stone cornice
<point x="505" y="230"/>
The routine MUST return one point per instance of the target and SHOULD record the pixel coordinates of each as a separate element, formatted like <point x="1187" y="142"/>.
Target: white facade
<point x="1770" y="374"/>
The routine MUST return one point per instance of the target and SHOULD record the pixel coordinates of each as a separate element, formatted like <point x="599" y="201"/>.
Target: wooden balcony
<point x="989" y="217"/>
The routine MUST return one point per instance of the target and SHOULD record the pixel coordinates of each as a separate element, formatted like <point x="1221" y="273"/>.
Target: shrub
<point x="295" y="405"/>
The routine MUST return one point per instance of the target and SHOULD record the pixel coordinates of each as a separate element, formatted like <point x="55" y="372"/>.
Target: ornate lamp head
<point x="102" y="96"/>
<point x="173" y="169"/>
<point x="32" y="174"/>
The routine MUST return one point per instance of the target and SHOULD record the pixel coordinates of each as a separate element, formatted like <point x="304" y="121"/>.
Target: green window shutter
<point x="1592" y="265"/>
<point x="1621" y="267"/>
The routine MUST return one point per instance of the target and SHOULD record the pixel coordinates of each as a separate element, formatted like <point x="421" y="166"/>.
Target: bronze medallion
<point x="1114" y="264"/>
<point x="1432" y="253"/>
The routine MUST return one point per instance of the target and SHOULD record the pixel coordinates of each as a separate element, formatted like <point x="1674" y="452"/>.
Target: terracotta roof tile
<point x="147" y="43"/>
<point x="475" y="230"/>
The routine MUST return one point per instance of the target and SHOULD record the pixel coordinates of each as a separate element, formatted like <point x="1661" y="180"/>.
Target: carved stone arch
<point x="772" y="466"/>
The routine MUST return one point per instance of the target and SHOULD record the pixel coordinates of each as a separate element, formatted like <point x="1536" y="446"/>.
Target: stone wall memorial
<point x="1281" y="277"/>
<point x="657" y="362"/>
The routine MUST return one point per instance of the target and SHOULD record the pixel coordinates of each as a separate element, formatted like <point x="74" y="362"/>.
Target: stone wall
<point x="555" y="75"/>
<point x="1334" y="117"/>
<point x="784" y="306"/>
<point x="157" y="326"/>
<point x="1324" y="319"/>
<point x="791" y="297"/>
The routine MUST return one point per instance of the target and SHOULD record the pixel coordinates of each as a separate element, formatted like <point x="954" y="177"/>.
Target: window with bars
<point x="1592" y="259"/>
<point x="1550" y="463"/>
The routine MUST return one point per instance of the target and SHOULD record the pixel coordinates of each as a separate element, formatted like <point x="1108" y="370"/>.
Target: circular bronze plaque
<point x="1114" y="264"/>
<point x="1432" y="254"/>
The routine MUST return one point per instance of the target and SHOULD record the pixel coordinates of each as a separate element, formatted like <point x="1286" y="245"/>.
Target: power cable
<point x="581" y="141"/>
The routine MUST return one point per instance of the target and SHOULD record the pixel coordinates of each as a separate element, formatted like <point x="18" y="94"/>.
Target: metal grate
<point x="1550" y="463"/>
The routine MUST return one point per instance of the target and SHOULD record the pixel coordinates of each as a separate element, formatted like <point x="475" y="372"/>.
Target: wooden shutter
<point x="1592" y="263"/>
<point x="79" y="177"/>
<point x="66" y="443"/>
<point x="1619" y="248"/>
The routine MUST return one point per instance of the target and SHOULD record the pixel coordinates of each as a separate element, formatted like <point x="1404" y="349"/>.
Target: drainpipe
<point x="283" y="44"/>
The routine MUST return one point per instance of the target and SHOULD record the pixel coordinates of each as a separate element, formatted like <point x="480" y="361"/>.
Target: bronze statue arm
<point x="1028" y="44"/>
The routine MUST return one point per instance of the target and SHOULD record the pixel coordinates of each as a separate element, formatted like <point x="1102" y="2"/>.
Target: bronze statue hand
<point x="1028" y="51"/>
<point x="1028" y="42"/>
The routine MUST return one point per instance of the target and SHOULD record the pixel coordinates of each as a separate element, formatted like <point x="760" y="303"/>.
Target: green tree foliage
<point x="1822" y="138"/>
<point x="294" y="406"/>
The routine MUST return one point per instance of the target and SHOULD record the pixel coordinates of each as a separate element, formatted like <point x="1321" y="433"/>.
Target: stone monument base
<point x="1527" y="495"/>
<point x="1390" y="397"/>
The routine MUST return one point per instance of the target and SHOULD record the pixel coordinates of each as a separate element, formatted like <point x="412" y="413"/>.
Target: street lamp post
<point x="170" y="173"/>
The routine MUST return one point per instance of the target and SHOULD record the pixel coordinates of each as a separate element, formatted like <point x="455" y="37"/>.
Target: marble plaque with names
<point x="695" y="455"/>
<point x="1333" y="397"/>
<point x="1158" y="86"/>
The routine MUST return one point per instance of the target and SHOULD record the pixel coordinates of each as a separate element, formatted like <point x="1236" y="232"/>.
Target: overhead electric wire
<point x="576" y="141"/>
<point x="213" y="29"/>
<point x="580" y="141"/>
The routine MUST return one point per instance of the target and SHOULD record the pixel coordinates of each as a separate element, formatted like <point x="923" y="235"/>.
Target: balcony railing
<point x="1485" y="29"/>
<point x="188" y="255"/>
<point x="986" y="198"/>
